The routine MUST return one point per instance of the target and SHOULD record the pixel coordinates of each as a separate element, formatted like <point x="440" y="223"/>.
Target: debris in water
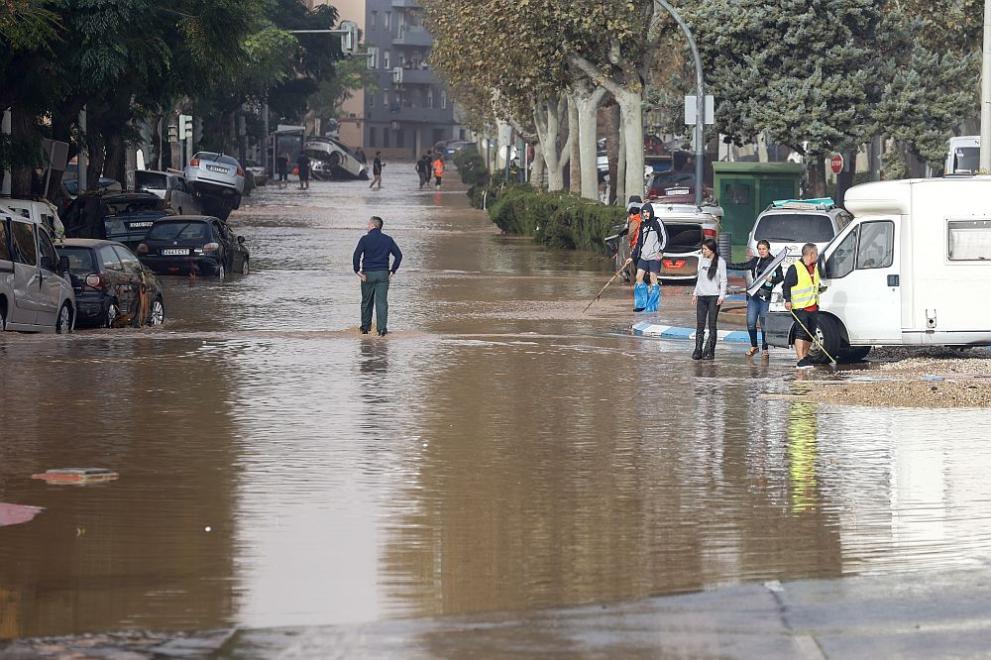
<point x="76" y="476"/>
<point x="15" y="514"/>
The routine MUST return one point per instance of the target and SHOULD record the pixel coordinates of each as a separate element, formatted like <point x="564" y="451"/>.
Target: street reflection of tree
<point x="133" y="552"/>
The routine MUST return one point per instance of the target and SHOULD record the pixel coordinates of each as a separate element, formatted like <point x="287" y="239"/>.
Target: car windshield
<point x="149" y="181"/>
<point x="80" y="260"/>
<point x="174" y="231"/>
<point x="794" y="228"/>
<point x="227" y="160"/>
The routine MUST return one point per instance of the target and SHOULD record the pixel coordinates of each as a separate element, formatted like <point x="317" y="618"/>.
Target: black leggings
<point x="707" y="307"/>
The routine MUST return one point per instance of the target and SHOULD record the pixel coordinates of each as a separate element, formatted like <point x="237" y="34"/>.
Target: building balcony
<point x="404" y="76"/>
<point x="404" y="113"/>
<point x="413" y="37"/>
<point x="406" y="4"/>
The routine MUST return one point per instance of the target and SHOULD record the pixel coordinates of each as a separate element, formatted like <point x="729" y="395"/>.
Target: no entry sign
<point x="836" y="163"/>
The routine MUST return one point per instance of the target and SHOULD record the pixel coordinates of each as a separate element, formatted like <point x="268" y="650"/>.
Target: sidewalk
<point x="907" y="615"/>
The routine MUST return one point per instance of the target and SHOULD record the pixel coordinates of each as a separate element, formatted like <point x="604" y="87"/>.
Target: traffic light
<point x="185" y="127"/>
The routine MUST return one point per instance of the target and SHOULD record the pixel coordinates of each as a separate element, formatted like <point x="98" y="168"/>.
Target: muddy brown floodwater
<point x="499" y="451"/>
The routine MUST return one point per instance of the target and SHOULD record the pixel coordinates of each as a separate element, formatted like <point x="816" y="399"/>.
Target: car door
<point x="6" y="266"/>
<point x="51" y="283"/>
<point x="132" y="274"/>
<point x="27" y="275"/>
<point x="863" y="282"/>
<point x="237" y="252"/>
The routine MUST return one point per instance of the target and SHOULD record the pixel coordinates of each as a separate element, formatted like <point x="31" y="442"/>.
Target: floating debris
<point x="76" y="476"/>
<point x="16" y="514"/>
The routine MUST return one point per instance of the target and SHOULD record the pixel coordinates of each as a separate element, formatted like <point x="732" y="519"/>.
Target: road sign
<point x="691" y="107"/>
<point x="836" y="163"/>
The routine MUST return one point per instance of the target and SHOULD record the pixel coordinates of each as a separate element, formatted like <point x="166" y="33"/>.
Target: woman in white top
<point x="710" y="291"/>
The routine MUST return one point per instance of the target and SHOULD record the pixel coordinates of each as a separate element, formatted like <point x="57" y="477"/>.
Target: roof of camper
<point x="896" y="196"/>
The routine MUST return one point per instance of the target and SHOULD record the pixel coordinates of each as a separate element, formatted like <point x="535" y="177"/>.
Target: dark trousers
<point x="706" y="310"/>
<point x="757" y="309"/>
<point x="375" y="290"/>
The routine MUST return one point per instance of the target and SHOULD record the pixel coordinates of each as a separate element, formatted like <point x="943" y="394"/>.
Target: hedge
<point x="556" y="220"/>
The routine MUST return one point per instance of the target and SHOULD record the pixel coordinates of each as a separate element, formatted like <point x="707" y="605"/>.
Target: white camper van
<point x="913" y="268"/>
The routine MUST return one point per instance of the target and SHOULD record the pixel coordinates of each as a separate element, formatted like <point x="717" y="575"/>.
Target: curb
<point x="647" y="329"/>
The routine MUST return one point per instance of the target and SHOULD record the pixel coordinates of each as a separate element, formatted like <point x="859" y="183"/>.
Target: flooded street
<point x="497" y="451"/>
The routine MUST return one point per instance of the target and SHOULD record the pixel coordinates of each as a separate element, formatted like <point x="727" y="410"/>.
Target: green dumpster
<point x="746" y="189"/>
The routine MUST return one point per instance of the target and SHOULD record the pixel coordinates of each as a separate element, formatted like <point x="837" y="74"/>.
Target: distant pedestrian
<point x="438" y="168"/>
<point x="371" y="265"/>
<point x="303" y="163"/>
<point x="652" y="238"/>
<point x="759" y="303"/>
<point x="801" y="294"/>
<point x="377" y="166"/>
<point x="423" y="170"/>
<point x="282" y="168"/>
<point x="708" y="297"/>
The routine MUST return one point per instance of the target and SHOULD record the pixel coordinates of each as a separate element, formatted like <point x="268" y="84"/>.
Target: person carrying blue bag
<point x="647" y="256"/>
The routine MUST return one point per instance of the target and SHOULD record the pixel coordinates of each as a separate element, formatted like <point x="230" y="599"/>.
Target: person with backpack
<point x="708" y="297"/>
<point x="652" y="238"/>
<point x="759" y="303"/>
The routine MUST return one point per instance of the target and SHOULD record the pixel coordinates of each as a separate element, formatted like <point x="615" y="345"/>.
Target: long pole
<point x="699" y="100"/>
<point x="986" y="93"/>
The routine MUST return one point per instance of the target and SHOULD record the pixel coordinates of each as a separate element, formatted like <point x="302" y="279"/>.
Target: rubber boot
<point x="697" y="353"/>
<point x="639" y="297"/>
<point x="653" y="298"/>
<point x="710" y="349"/>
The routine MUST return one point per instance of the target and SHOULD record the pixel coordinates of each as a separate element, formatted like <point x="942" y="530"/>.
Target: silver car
<point x="210" y="172"/>
<point x="34" y="294"/>
<point x="170" y="186"/>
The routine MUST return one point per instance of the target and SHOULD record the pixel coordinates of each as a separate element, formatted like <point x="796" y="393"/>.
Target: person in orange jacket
<point x="438" y="170"/>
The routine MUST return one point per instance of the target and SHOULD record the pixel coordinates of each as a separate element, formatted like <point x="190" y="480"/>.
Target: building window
<point x="373" y="57"/>
<point x="375" y="19"/>
<point x="443" y="99"/>
<point x="388" y="20"/>
<point x="372" y="136"/>
<point x="430" y="97"/>
<point x="385" y="137"/>
<point x="385" y="99"/>
<point x="385" y="60"/>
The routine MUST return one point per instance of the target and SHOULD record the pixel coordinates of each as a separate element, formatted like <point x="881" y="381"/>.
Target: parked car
<point x="912" y="269"/>
<point x="39" y="211"/>
<point x="216" y="174"/>
<point x="196" y="243"/>
<point x="661" y="184"/>
<point x="791" y="223"/>
<point x="131" y="215"/>
<point x="34" y="294"/>
<point x="171" y="187"/>
<point x="108" y="279"/>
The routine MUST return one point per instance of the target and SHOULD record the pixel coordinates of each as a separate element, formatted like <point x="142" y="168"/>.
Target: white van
<point x="39" y="211"/>
<point x="34" y="294"/>
<point x="963" y="156"/>
<point x="913" y="268"/>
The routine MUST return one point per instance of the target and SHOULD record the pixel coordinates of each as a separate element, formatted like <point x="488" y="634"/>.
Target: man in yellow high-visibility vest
<point x="801" y="292"/>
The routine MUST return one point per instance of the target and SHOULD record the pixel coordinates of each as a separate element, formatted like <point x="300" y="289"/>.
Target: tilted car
<point x="218" y="176"/>
<point x="194" y="244"/>
<point x="169" y="186"/>
<point x="131" y="215"/>
<point x="34" y="294"/>
<point x="112" y="287"/>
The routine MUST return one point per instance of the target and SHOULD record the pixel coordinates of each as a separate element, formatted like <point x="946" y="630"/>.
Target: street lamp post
<point x="986" y="93"/>
<point x="699" y="99"/>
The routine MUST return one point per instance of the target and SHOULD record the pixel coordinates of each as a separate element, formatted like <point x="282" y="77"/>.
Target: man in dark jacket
<point x="371" y="265"/>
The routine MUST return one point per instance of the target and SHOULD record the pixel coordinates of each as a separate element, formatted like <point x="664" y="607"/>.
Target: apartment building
<point x="408" y="111"/>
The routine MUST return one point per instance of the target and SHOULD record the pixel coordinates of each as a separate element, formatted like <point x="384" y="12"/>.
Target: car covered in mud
<point x="112" y="287"/>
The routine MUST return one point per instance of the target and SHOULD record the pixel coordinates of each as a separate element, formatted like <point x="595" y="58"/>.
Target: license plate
<point x="139" y="225"/>
<point x="674" y="263"/>
<point x="217" y="168"/>
<point x="174" y="252"/>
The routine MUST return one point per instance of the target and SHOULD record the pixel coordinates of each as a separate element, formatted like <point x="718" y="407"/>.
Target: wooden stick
<point x="599" y="294"/>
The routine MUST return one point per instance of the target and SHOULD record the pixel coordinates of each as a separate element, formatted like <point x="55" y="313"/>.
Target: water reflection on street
<point x="497" y="452"/>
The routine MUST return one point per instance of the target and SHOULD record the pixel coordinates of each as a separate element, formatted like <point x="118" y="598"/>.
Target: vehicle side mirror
<point x="822" y="265"/>
<point x="240" y="239"/>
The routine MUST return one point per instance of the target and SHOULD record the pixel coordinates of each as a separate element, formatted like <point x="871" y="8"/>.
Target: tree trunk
<point x="620" y="182"/>
<point x="547" y="117"/>
<point x="612" y="151"/>
<point x="538" y="165"/>
<point x="113" y="166"/>
<point x="575" y="174"/>
<point x="22" y="132"/>
<point x="587" y="109"/>
<point x="875" y="157"/>
<point x="632" y="129"/>
<point x="816" y="165"/>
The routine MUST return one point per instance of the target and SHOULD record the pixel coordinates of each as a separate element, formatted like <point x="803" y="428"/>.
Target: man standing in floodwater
<point x="371" y="265"/>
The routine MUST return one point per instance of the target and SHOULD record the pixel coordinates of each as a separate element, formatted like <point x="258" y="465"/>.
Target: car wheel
<point x="852" y="354"/>
<point x="829" y="334"/>
<point x="156" y="316"/>
<point x="63" y="325"/>
<point x="113" y="311"/>
<point x="221" y="272"/>
<point x="244" y="266"/>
